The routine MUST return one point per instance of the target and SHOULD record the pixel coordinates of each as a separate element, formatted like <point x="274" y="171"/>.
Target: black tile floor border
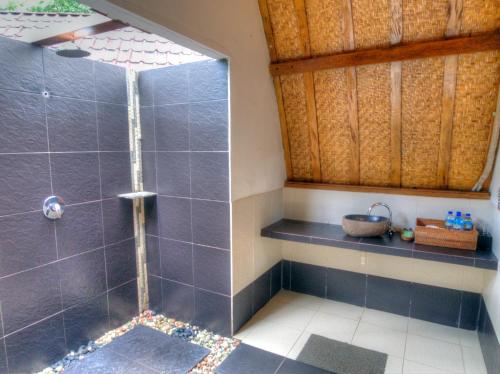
<point x="333" y="236"/>
<point x="429" y="303"/>
<point x="142" y="350"/>
<point x="250" y="360"/>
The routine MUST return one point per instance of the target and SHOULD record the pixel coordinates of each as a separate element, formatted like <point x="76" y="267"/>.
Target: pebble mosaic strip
<point x="220" y="347"/>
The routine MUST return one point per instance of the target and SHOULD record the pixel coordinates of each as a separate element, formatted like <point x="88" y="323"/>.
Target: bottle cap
<point x="467" y="214"/>
<point x="459" y="214"/>
<point x="450" y="212"/>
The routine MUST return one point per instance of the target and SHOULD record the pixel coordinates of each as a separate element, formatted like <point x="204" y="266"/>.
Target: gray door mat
<point x="142" y="350"/>
<point x="341" y="358"/>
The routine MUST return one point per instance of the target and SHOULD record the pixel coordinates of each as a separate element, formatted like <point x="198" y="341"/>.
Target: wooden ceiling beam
<point x="401" y="52"/>
<point x="81" y="33"/>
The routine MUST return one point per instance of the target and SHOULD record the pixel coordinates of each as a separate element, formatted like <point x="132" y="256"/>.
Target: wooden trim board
<point x="400" y="52"/>
<point x="483" y="195"/>
<point x="81" y="33"/>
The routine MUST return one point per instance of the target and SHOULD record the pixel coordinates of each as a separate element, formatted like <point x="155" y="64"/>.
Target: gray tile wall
<point x="184" y="117"/>
<point x="64" y="282"/>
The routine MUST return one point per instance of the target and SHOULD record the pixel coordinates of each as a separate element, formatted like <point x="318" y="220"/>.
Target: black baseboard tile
<point x="435" y="304"/>
<point x="488" y="340"/>
<point x="346" y="286"/>
<point x="445" y="306"/>
<point x="308" y="279"/>
<point x="254" y="296"/>
<point x="388" y="295"/>
<point x="262" y="290"/>
<point x="469" y="310"/>
<point x="285" y="274"/>
<point x="276" y="277"/>
<point x="242" y="307"/>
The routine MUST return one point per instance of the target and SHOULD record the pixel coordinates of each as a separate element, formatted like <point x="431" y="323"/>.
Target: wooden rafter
<point x="268" y="31"/>
<point x="352" y="91"/>
<point x="396" y="113"/>
<point x="448" y="99"/>
<point x="81" y="33"/>
<point x="312" y="120"/>
<point x="402" y="52"/>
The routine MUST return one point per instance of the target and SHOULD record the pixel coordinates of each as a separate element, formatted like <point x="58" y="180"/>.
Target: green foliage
<point x="11" y="6"/>
<point x="60" y="6"/>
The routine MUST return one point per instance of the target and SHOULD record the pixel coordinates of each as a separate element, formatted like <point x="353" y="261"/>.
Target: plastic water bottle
<point x="449" y="220"/>
<point x="458" y="223"/>
<point x="468" y="224"/>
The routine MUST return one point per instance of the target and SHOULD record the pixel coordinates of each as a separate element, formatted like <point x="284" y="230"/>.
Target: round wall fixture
<point x="53" y="207"/>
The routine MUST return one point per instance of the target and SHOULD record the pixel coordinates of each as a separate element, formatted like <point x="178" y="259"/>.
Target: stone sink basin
<point x="363" y="225"/>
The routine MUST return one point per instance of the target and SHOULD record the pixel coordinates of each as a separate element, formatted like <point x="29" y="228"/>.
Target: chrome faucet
<point x="390" y="214"/>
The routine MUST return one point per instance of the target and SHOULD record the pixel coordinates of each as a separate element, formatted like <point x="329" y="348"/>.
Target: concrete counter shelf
<point x="333" y="236"/>
<point x="137" y="195"/>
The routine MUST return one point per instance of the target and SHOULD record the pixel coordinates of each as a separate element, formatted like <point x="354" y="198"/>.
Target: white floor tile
<point x="341" y="309"/>
<point x="394" y="365"/>
<point x="299" y="345"/>
<point x="416" y="368"/>
<point x="469" y="339"/>
<point x="332" y="327"/>
<point x="384" y="319"/>
<point x="434" y="353"/>
<point x="473" y="361"/>
<point x="434" y="331"/>
<point x="272" y="338"/>
<point x="298" y="299"/>
<point x="380" y="339"/>
<point x="289" y="315"/>
<point x="247" y="328"/>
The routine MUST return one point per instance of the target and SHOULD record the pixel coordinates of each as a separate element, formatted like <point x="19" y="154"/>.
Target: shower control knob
<point x="53" y="207"/>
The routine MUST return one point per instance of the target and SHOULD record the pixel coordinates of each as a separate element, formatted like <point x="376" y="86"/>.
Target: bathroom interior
<point x="260" y="186"/>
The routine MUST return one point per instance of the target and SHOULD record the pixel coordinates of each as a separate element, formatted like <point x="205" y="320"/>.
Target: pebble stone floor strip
<point x="220" y="347"/>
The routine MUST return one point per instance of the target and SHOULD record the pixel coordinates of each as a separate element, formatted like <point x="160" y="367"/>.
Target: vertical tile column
<point x="184" y="118"/>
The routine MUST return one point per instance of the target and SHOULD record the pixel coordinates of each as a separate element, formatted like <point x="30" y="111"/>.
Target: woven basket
<point x="442" y="237"/>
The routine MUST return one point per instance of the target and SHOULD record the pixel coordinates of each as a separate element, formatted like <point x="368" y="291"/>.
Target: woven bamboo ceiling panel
<point x="417" y="123"/>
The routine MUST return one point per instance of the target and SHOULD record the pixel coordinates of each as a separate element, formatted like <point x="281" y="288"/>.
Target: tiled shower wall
<point x="67" y="281"/>
<point x="184" y="118"/>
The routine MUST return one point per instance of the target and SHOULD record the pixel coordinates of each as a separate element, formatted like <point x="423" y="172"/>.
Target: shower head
<point x="73" y="53"/>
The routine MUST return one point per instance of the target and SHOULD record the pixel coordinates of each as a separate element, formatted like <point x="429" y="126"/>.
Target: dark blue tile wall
<point x="184" y="118"/>
<point x="488" y="340"/>
<point x="54" y="285"/>
<point x="178" y="300"/>
<point x="72" y="125"/>
<point x="21" y="66"/>
<point x="212" y="311"/>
